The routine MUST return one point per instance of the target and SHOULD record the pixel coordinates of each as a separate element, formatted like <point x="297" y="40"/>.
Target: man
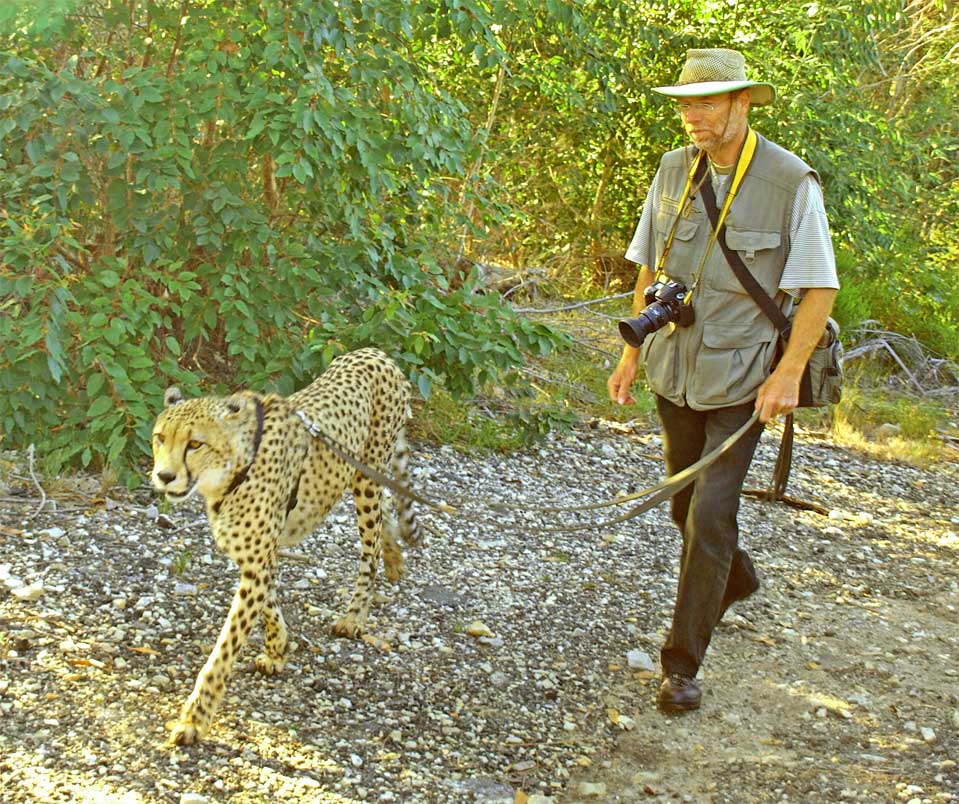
<point x="711" y="375"/>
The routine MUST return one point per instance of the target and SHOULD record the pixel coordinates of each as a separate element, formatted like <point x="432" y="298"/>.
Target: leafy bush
<point x="234" y="195"/>
<point x="231" y="198"/>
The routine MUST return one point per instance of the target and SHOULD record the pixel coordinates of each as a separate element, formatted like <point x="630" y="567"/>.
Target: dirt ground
<point x="838" y="680"/>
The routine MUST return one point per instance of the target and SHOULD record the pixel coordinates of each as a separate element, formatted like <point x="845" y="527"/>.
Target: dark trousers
<point x="714" y="570"/>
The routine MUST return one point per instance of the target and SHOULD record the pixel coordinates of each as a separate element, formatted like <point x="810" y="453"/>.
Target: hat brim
<point x="761" y="92"/>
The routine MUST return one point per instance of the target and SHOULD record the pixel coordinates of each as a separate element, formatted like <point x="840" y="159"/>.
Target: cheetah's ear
<point x="173" y="396"/>
<point x="238" y="403"/>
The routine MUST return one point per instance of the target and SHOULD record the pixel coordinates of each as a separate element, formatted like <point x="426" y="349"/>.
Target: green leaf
<point x="109" y="278"/>
<point x="424" y="385"/>
<point x="100" y="406"/>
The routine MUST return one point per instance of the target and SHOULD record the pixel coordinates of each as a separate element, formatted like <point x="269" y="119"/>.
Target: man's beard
<point x="716" y="142"/>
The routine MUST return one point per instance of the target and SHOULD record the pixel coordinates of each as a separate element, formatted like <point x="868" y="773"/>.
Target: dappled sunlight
<point x="75" y="761"/>
<point x="922" y="454"/>
<point x="62" y="784"/>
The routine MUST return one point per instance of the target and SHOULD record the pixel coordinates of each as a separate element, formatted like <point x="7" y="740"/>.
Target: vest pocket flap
<point x="751" y="242"/>
<point x="686" y="230"/>
<point x="733" y="336"/>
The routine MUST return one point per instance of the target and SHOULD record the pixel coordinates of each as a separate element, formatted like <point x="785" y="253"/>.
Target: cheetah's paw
<point x="183" y="732"/>
<point x="394" y="568"/>
<point x="269" y="665"/>
<point x="348" y="627"/>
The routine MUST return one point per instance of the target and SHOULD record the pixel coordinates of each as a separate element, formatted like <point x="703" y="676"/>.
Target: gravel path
<point x="520" y="665"/>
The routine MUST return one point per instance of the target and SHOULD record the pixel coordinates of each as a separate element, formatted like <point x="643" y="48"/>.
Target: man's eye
<point x="194" y="444"/>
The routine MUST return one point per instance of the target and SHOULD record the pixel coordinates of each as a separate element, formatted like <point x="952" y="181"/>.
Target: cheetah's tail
<point x="409" y="529"/>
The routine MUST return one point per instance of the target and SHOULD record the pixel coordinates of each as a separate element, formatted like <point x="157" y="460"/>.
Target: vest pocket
<point x="759" y="251"/>
<point x="683" y="255"/>
<point x="661" y="361"/>
<point x="731" y="365"/>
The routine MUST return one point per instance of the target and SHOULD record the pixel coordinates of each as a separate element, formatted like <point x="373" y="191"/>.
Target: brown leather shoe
<point x="679" y="694"/>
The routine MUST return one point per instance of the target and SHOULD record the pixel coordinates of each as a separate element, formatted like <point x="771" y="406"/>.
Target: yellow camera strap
<point x="742" y="165"/>
<point x="690" y="178"/>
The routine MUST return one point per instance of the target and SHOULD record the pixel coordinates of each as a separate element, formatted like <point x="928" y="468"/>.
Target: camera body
<point x="665" y="303"/>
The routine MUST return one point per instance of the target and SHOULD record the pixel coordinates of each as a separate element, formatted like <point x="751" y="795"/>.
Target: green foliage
<point x="866" y="95"/>
<point x="894" y="427"/>
<point x="181" y="563"/>
<point x="518" y="421"/>
<point x="222" y="195"/>
<point x="234" y="196"/>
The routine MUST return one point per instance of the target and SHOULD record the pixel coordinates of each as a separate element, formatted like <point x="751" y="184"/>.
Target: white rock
<point x="639" y="660"/>
<point x="193" y="798"/>
<point x="478" y="629"/>
<point x="33" y="591"/>
<point x="626" y="723"/>
<point x="592" y="789"/>
<point x="928" y="735"/>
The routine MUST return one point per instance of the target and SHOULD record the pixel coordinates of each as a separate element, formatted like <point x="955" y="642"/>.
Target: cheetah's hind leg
<point x="367" y="496"/>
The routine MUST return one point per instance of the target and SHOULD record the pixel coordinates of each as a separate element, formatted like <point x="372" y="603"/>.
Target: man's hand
<point x="778" y="395"/>
<point x="622" y="377"/>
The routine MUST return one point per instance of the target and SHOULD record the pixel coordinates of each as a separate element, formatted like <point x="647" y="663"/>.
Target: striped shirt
<point x="810" y="263"/>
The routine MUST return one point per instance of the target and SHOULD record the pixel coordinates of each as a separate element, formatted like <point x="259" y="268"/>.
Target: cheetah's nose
<point x="166" y="477"/>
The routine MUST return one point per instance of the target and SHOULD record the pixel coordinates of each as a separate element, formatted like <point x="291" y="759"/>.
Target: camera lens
<point x="635" y="330"/>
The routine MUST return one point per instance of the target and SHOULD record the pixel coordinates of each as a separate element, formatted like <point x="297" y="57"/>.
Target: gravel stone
<point x="509" y="644"/>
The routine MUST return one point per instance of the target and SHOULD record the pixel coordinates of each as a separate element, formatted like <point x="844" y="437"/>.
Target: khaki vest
<point x="727" y="353"/>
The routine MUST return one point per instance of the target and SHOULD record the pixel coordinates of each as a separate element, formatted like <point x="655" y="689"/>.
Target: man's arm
<point x="623" y="375"/>
<point x="780" y="392"/>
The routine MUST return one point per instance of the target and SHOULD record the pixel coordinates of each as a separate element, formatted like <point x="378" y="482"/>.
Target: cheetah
<point x="268" y="484"/>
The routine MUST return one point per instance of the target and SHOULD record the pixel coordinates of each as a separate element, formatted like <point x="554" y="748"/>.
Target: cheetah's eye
<point x="159" y="438"/>
<point x="194" y="444"/>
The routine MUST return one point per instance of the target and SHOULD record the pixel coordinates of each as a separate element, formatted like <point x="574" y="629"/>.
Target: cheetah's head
<point x="200" y="444"/>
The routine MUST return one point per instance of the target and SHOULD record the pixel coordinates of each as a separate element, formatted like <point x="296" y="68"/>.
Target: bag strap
<point x="784" y="459"/>
<point x="746" y="279"/>
<point x="750" y="283"/>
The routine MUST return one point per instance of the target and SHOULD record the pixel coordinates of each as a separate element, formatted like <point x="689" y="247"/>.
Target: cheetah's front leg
<point x="273" y="658"/>
<point x="198" y="711"/>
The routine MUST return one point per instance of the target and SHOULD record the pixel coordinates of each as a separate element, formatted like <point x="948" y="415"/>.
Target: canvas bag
<point x="823" y="373"/>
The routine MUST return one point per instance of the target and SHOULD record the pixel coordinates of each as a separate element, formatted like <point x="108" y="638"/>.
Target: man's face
<point x="713" y="121"/>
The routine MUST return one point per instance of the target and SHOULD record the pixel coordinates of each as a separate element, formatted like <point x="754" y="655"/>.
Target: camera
<point x="665" y="302"/>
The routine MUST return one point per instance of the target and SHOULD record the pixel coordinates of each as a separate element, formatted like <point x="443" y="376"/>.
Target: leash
<point x="343" y="454"/>
<point x="660" y="492"/>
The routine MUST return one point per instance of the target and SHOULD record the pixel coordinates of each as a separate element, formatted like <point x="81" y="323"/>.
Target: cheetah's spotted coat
<point x="267" y="484"/>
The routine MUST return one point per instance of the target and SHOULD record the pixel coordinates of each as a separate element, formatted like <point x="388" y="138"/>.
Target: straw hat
<point x="714" y="71"/>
